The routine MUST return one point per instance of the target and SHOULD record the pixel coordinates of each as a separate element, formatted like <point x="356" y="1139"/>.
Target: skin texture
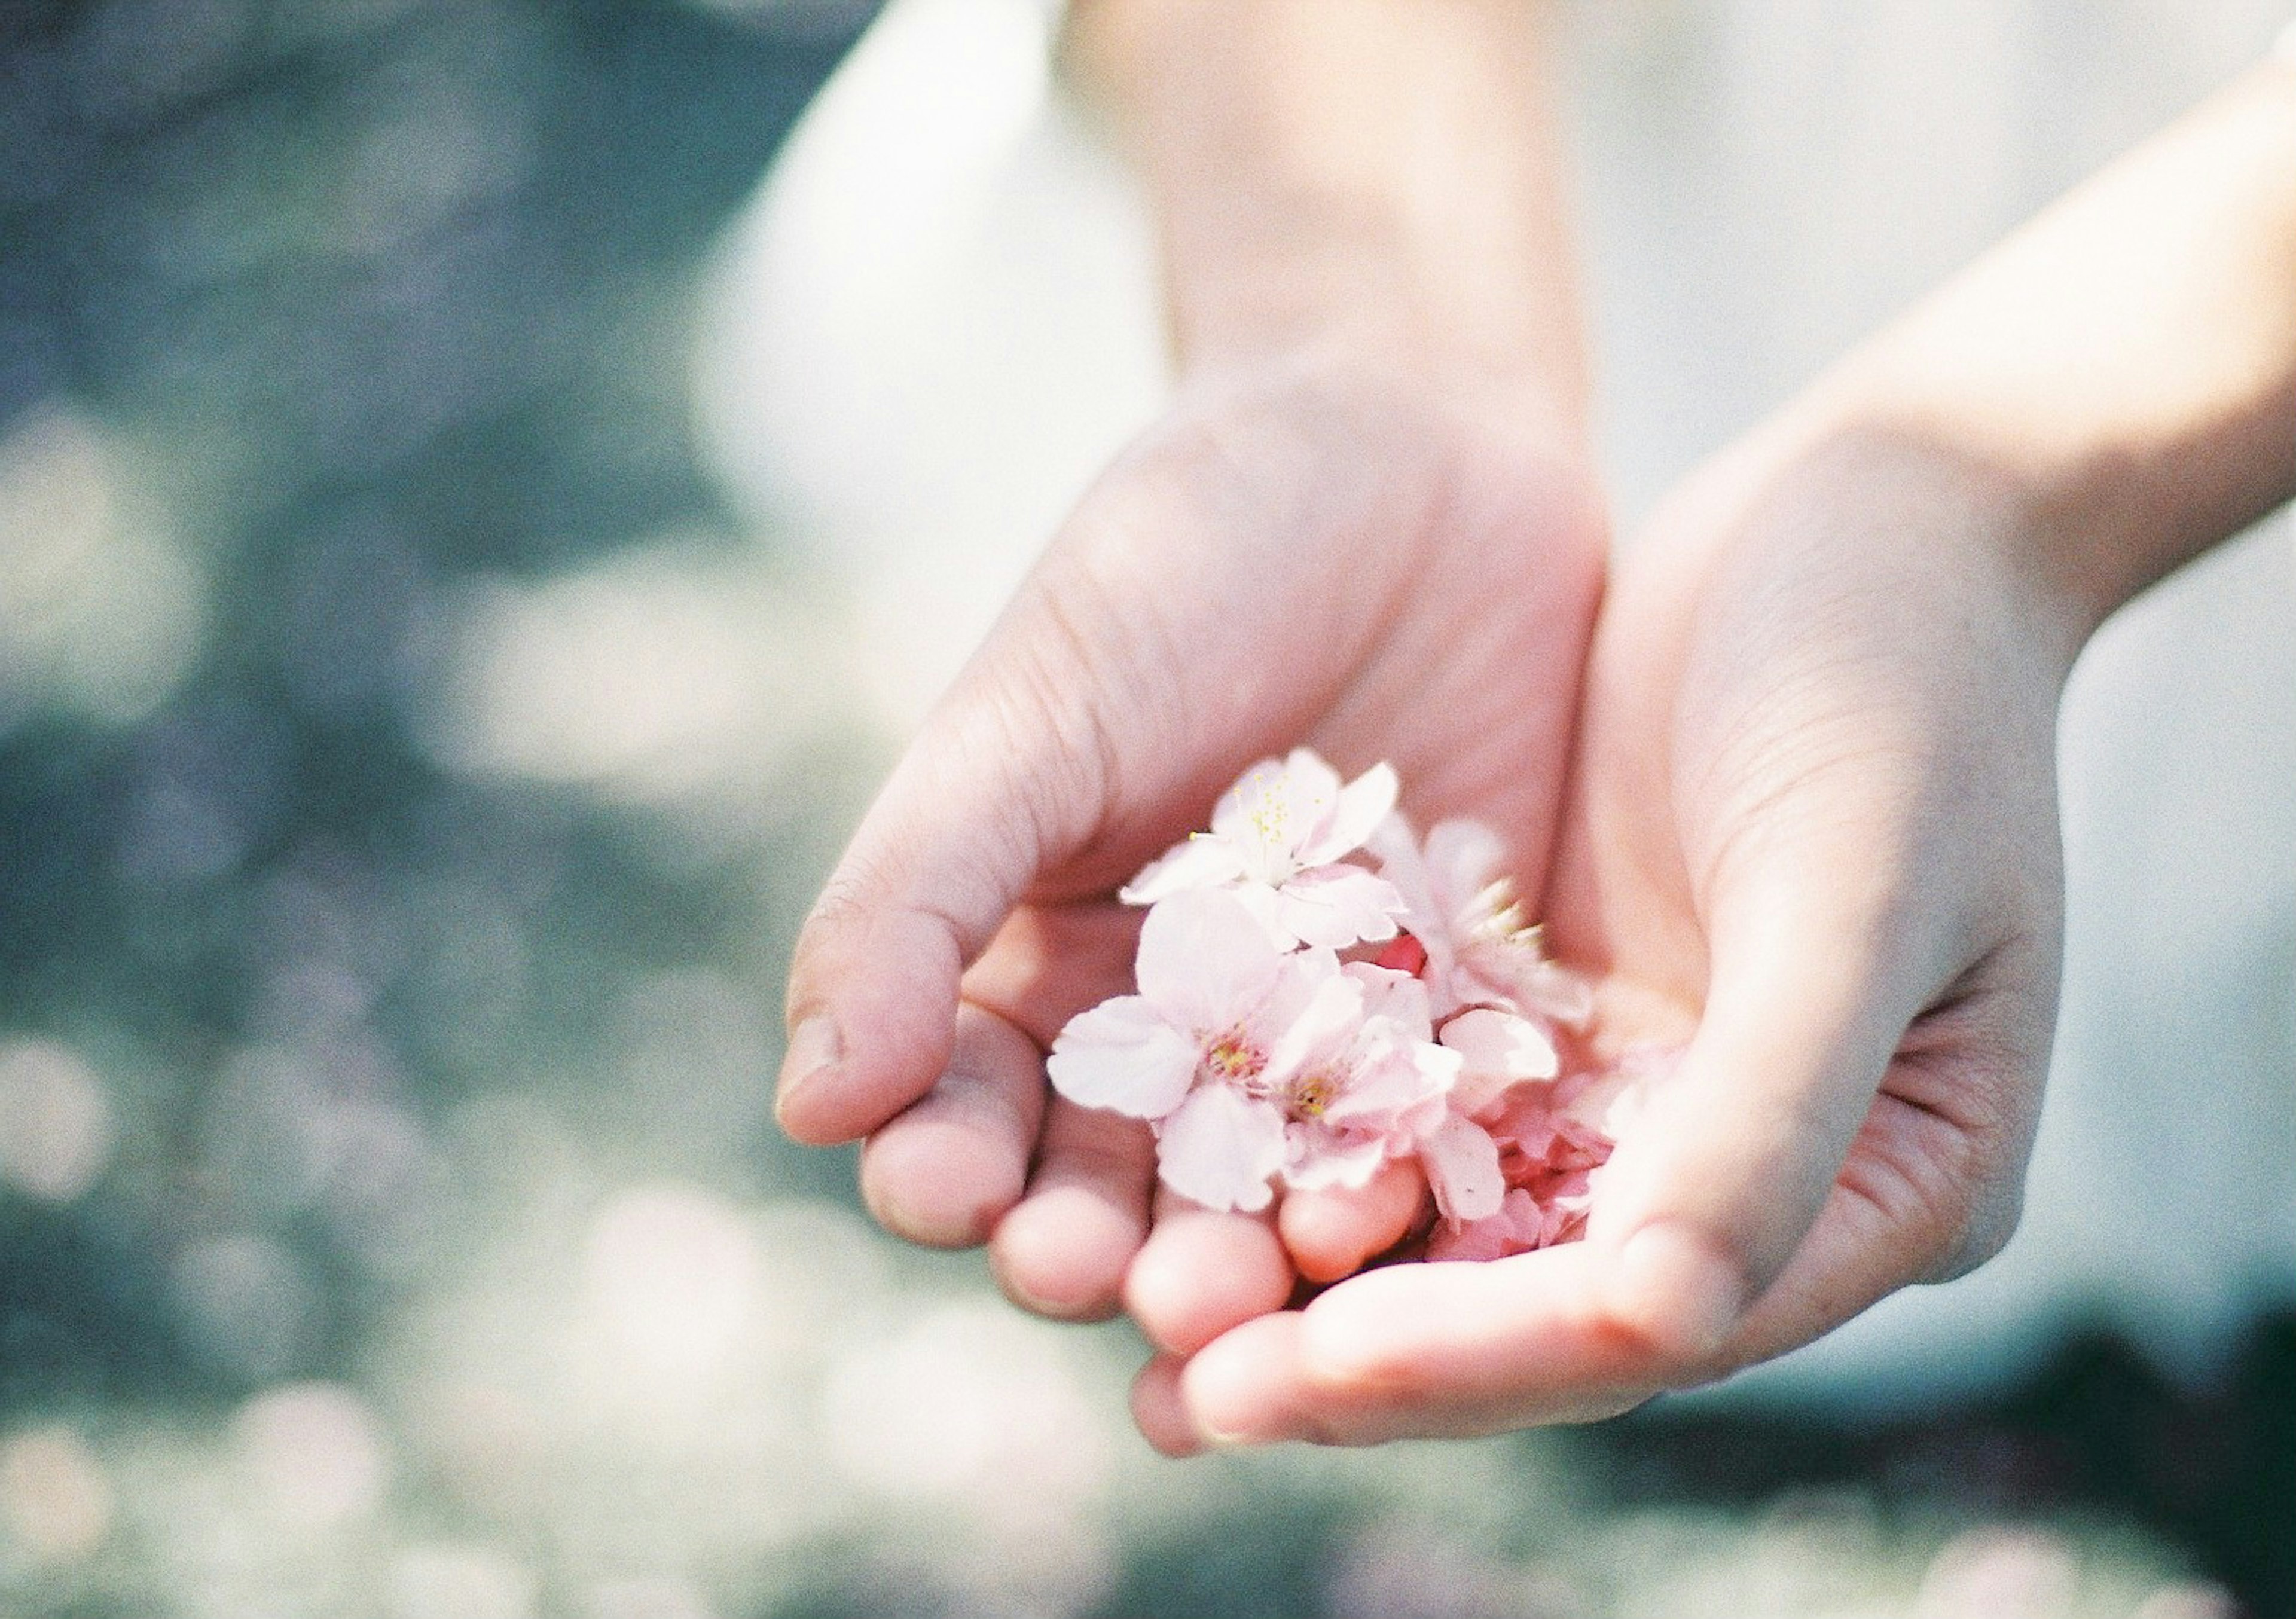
<point x="1791" y="799"/>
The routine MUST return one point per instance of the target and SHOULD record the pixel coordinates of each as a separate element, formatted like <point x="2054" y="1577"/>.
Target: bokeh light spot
<point x="56" y="1124"/>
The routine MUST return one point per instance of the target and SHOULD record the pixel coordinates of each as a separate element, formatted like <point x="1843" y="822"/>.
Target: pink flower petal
<point x="1273" y="809"/>
<point x="1362" y="805"/>
<point x="1319" y="1030"/>
<point x="1220" y="1148"/>
<point x="1121" y="1055"/>
<point x="1393" y="1076"/>
<point x="1337" y="906"/>
<point x="1501" y="1051"/>
<point x="1515" y="1229"/>
<point x="1464" y="857"/>
<point x="1319" y="1158"/>
<point x="1194" y="863"/>
<point x="1395" y="995"/>
<point x="1462" y="1169"/>
<point x="1205" y="960"/>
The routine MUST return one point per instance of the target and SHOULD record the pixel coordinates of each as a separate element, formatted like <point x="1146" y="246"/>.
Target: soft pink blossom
<point x="1498" y="1050"/>
<point x="1357" y="1096"/>
<point x="1279" y="840"/>
<point x="1460" y="906"/>
<point x="1551" y="1138"/>
<point x="1254" y="1062"/>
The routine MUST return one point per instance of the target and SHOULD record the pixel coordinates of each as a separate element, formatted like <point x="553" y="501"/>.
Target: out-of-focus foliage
<point x="410" y="779"/>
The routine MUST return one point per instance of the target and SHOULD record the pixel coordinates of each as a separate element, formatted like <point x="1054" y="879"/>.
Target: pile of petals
<point x="1320" y="992"/>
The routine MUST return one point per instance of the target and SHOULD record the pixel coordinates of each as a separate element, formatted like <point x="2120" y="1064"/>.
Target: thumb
<point x="1007" y="778"/>
<point x="1819" y="962"/>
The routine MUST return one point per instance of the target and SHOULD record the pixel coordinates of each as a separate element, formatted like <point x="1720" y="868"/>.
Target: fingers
<point x="948" y="1167"/>
<point x="1330" y="1234"/>
<point x="1064" y="1250"/>
<point x="1818" y="968"/>
<point x="1009" y="779"/>
<point x="1436" y="1350"/>
<point x="943" y="1172"/>
<point x="1201" y="1273"/>
<point x="1158" y="1409"/>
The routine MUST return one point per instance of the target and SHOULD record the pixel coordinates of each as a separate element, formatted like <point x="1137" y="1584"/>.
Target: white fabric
<point x="935" y="362"/>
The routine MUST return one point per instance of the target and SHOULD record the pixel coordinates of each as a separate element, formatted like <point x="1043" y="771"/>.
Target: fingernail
<point x="815" y="1048"/>
<point x="1675" y="1289"/>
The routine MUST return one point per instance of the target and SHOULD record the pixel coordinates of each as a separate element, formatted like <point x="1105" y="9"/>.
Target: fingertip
<point x="1201" y="1273"/>
<point x="809" y="1079"/>
<point x="1241" y="1388"/>
<point x="1331" y="1234"/>
<point x="1062" y="1253"/>
<point x="1160" y="1410"/>
<point x="950" y="1166"/>
<point x="937" y="1183"/>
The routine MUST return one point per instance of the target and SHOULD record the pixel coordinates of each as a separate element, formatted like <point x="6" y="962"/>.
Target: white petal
<point x="1463" y="858"/>
<point x="1395" y="1075"/>
<point x="1319" y="1158"/>
<point x="1397" y="850"/>
<point x="1463" y="1170"/>
<point x="1201" y="861"/>
<point x="1501" y="1050"/>
<point x="1561" y="993"/>
<point x="1362" y="804"/>
<point x="1220" y="1149"/>
<point x="1337" y="906"/>
<point x="1121" y="1055"/>
<point x="1319" y="1027"/>
<point x="1397" y="995"/>
<point x="1204" y="958"/>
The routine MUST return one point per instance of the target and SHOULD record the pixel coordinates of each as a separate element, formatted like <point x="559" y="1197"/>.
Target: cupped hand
<point x="1811" y="837"/>
<point x="1302" y="551"/>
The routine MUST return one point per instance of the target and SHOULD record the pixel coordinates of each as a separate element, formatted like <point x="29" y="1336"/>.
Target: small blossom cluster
<point x="1320" y="991"/>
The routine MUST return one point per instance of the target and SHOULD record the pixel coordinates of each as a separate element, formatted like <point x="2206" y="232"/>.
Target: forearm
<point x="2127" y="362"/>
<point x="1379" y="175"/>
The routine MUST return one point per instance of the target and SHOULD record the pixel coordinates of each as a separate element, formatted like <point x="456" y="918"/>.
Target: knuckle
<point x="1977" y="1229"/>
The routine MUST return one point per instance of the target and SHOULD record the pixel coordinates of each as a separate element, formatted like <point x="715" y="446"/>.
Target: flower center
<point x="1271" y="814"/>
<point x="1312" y="1093"/>
<point x="1233" y="1057"/>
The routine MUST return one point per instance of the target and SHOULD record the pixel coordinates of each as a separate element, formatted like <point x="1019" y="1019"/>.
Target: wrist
<point x="1372" y="179"/>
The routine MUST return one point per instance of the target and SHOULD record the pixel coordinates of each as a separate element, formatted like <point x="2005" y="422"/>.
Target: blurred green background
<point x="390" y="1219"/>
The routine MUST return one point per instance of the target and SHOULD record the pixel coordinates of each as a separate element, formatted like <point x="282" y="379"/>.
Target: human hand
<point x="1304" y="552"/>
<point x="1811" y="832"/>
<point x="1812" y="824"/>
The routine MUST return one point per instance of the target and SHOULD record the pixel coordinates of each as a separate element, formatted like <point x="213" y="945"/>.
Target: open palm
<point x="1303" y="553"/>
<point x="1810" y="839"/>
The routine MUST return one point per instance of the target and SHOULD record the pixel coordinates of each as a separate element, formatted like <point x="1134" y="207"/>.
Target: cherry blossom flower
<point x="1360" y="1095"/>
<point x="1462" y="911"/>
<point x="1279" y="840"/>
<point x="1253" y="1062"/>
